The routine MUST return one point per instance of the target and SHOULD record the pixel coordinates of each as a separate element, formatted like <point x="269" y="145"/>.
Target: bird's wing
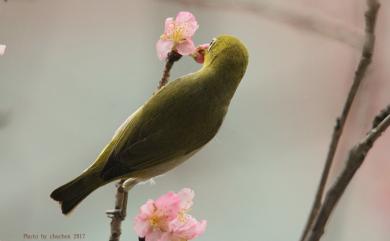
<point x="142" y="154"/>
<point x="176" y="121"/>
<point x="150" y="136"/>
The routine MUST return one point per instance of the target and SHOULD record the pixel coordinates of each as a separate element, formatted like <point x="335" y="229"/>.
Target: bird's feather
<point x="171" y="126"/>
<point x="167" y="131"/>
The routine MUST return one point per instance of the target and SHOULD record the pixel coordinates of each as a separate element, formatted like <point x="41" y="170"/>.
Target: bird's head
<point x="225" y="52"/>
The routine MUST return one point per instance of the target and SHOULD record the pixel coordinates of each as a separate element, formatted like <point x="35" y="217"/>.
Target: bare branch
<point x="354" y="161"/>
<point x="382" y="115"/>
<point x="366" y="58"/>
<point x="119" y="213"/>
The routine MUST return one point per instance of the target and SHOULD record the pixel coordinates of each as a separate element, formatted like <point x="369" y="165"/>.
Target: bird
<point x="171" y="126"/>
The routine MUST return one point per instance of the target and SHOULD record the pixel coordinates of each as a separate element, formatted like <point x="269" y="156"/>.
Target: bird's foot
<point x="129" y="183"/>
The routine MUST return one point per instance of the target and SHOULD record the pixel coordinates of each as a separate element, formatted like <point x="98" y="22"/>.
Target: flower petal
<point x="155" y="235"/>
<point x="201" y="227"/>
<point x="185" y="17"/>
<point x="186" y="195"/>
<point x="166" y="236"/>
<point x="141" y="221"/>
<point x="187" y="230"/>
<point x="199" y="53"/>
<point x="168" y="205"/>
<point x="141" y="226"/>
<point x="187" y="22"/>
<point x="186" y="47"/>
<point x="163" y="47"/>
<point x="203" y="46"/>
<point x="169" y="26"/>
<point x="2" y="49"/>
<point x="148" y="208"/>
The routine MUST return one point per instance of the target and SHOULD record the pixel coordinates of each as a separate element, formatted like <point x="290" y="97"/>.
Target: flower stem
<point x="173" y="56"/>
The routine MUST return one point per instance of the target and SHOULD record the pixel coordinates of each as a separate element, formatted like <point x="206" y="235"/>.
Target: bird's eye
<point x="212" y="43"/>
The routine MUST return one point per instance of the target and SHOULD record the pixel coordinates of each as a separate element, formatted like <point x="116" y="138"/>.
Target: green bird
<point x="176" y="122"/>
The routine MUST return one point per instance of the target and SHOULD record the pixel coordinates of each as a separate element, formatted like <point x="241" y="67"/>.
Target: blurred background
<point x="74" y="70"/>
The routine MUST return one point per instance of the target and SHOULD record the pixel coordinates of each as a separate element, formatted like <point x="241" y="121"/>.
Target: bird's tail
<point x="72" y="193"/>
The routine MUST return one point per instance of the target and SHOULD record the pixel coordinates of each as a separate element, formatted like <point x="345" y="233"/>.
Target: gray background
<point x="74" y="70"/>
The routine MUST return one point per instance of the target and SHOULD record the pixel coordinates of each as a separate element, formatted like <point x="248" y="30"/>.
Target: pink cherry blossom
<point x="177" y="35"/>
<point x="166" y="219"/>
<point x="155" y="216"/>
<point x="2" y="49"/>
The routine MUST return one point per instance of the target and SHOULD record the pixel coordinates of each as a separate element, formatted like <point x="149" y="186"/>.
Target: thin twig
<point x="366" y="58"/>
<point x="119" y="213"/>
<point x="354" y="161"/>
<point x="173" y="56"/>
<point x="382" y="115"/>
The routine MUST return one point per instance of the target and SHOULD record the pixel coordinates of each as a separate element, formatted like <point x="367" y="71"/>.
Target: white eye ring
<point x="212" y="43"/>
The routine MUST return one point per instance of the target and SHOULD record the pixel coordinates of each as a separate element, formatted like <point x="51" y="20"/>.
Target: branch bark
<point x="354" y="161"/>
<point x="366" y="58"/>
<point x="119" y="213"/>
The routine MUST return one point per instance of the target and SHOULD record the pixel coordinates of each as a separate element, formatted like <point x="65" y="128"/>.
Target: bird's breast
<point x="146" y="174"/>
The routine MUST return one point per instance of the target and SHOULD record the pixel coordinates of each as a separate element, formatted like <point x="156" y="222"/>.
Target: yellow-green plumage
<point x="171" y="126"/>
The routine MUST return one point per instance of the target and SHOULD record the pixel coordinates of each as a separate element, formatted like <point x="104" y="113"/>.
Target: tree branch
<point x="366" y="58"/>
<point x="381" y="116"/>
<point x="119" y="213"/>
<point x="354" y="161"/>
